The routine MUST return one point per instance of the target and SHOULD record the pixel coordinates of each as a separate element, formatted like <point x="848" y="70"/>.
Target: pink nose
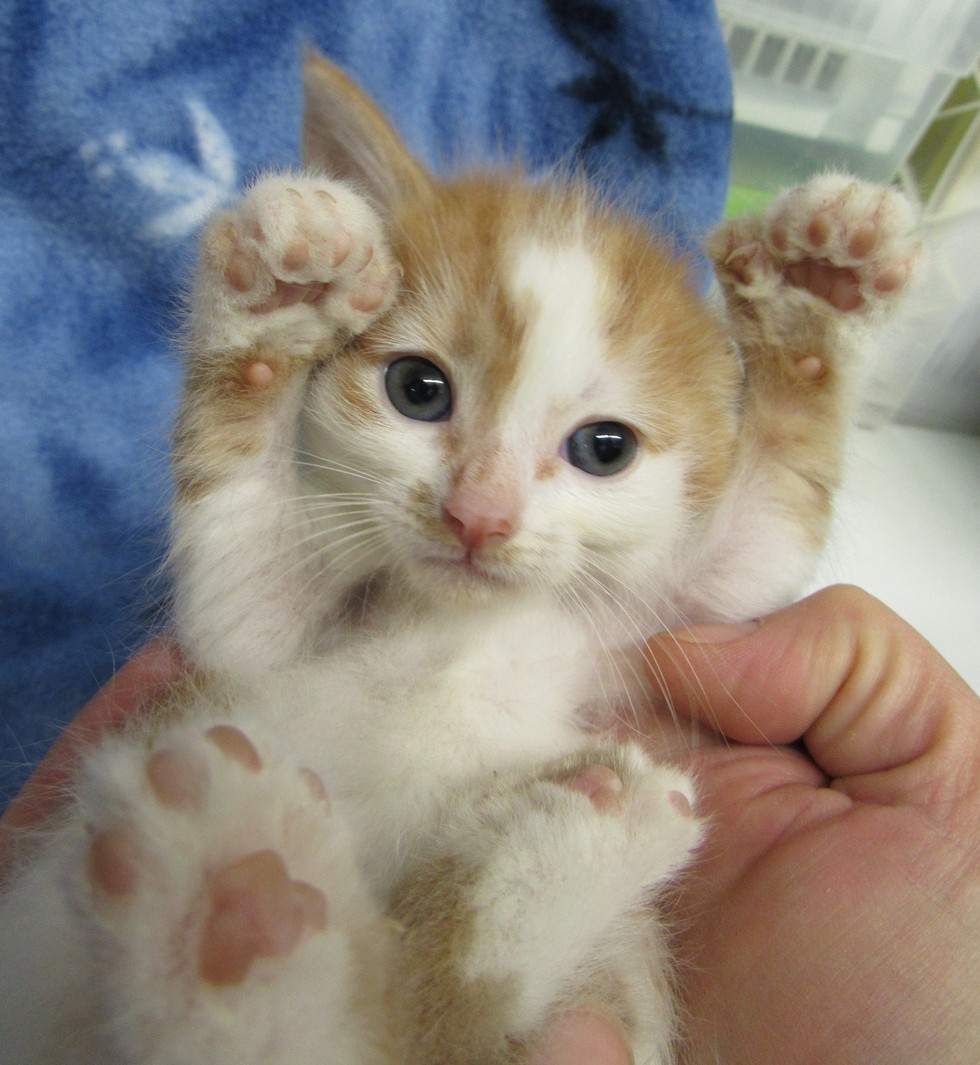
<point x="474" y="520"/>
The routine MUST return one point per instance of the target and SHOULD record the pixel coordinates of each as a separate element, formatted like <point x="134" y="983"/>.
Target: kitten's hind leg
<point x="286" y="278"/>
<point x="538" y="901"/>
<point x="226" y="910"/>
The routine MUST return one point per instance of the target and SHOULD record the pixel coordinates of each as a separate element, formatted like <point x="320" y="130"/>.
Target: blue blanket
<point x="124" y="122"/>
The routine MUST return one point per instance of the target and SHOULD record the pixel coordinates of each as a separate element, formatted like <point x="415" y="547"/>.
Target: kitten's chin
<point x="449" y="582"/>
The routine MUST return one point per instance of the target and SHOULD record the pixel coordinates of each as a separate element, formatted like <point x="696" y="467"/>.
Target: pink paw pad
<point x="840" y="286"/>
<point x="236" y="745"/>
<point x="680" y="803"/>
<point x="259" y="374"/>
<point x="178" y="779"/>
<point x="844" y="241"/>
<point x="294" y="242"/>
<point x="256" y="911"/>
<point x="113" y="861"/>
<point x="602" y="786"/>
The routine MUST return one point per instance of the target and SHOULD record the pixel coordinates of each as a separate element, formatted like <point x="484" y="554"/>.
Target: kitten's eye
<point x="602" y="449"/>
<point x="418" y="389"/>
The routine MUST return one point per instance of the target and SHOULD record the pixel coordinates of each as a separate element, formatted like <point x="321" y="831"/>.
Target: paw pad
<point x="201" y="832"/>
<point x="256" y="911"/>
<point x="236" y="745"/>
<point x="602" y="786"/>
<point x="293" y="241"/>
<point x="843" y="241"/>
<point x="178" y="779"/>
<point x="113" y="864"/>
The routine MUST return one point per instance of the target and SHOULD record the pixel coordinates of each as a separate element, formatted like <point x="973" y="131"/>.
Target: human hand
<point x="834" y="912"/>
<point x="149" y="672"/>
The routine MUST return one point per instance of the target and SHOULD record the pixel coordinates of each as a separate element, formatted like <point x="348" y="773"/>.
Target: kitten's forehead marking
<point x="558" y="288"/>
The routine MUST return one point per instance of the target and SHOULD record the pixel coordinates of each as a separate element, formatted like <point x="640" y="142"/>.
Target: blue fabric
<point x="124" y="122"/>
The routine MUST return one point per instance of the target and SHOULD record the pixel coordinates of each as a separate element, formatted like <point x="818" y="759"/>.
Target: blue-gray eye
<point x="418" y="389"/>
<point x="602" y="449"/>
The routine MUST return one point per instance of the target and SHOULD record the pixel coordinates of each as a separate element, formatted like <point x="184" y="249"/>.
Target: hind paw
<point x="222" y="894"/>
<point x="193" y="840"/>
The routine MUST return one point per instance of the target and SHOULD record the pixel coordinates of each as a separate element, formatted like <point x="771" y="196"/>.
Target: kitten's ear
<point x="346" y="136"/>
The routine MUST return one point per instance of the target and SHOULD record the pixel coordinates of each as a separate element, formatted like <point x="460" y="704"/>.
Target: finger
<point x="152" y="669"/>
<point x="874" y="703"/>
<point x="578" y="1037"/>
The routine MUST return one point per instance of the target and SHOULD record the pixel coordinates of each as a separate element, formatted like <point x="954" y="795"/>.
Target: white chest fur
<point x="392" y="721"/>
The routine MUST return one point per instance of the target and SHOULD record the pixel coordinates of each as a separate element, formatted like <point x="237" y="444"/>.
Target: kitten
<point x="448" y="452"/>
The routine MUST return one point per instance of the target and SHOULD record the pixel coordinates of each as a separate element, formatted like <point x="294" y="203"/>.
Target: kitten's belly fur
<point x="394" y="721"/>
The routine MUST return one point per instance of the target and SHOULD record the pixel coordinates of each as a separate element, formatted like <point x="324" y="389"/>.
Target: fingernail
<point x="715" y="633"/>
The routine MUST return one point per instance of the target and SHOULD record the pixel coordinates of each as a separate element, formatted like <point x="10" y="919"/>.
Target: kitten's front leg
<point x="285" y="279"/>
<point x="804" y="282"/>
<point x="537" y="900"/>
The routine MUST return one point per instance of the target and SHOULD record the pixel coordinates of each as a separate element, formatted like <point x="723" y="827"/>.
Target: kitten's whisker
<point x="363" y="546"/>
<point x="569" y="597"/>
<point x="623" y="616"/>
<point x="315" y="527"/>
<point x="359" y="550"/>
<point x="310" y="558"/>
<point x="315" y="462"/>
<point x="699" y="691"/>
<point x="359" y="540"/>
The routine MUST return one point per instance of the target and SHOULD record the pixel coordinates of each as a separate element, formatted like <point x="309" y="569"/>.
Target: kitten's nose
<point x="474" y="519"/>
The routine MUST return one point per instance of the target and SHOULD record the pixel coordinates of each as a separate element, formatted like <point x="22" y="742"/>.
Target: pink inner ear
<point x="481" y="514"/>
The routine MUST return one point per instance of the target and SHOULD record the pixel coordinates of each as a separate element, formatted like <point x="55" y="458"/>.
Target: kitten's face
<point x="548" y="405"/>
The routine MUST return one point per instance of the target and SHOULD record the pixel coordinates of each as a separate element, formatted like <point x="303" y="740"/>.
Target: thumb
<point x="150" y="672"/>
<point x="866" y="693"/>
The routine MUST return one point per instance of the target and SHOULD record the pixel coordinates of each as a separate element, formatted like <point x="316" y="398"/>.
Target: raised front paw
<point x="845" y="242"/>
<point x="301" y="259"/>
<point x="226" y="902"/>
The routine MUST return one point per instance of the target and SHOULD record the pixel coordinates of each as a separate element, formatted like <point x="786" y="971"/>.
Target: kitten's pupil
<point x="602" y="449"/>
<point x="418" y="389"/>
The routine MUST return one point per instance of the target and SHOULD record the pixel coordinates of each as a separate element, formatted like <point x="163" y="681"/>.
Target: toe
<point x="236" y="745"/>
<point x="179" y="779"/>
<point x="113" y="861"/>
<point x="600" y="784"/>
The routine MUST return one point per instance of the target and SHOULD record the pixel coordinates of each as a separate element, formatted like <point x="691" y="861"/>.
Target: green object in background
<point x="742" y="200"/>
<point x="952" y="126"/>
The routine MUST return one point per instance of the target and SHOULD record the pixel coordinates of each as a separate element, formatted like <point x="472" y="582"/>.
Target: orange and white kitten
<point x="449" y="450"/>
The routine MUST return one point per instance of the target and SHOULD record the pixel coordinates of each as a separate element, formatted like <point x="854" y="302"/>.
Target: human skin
<point x="834" y="913"/>
<point x="149" y="672"/>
